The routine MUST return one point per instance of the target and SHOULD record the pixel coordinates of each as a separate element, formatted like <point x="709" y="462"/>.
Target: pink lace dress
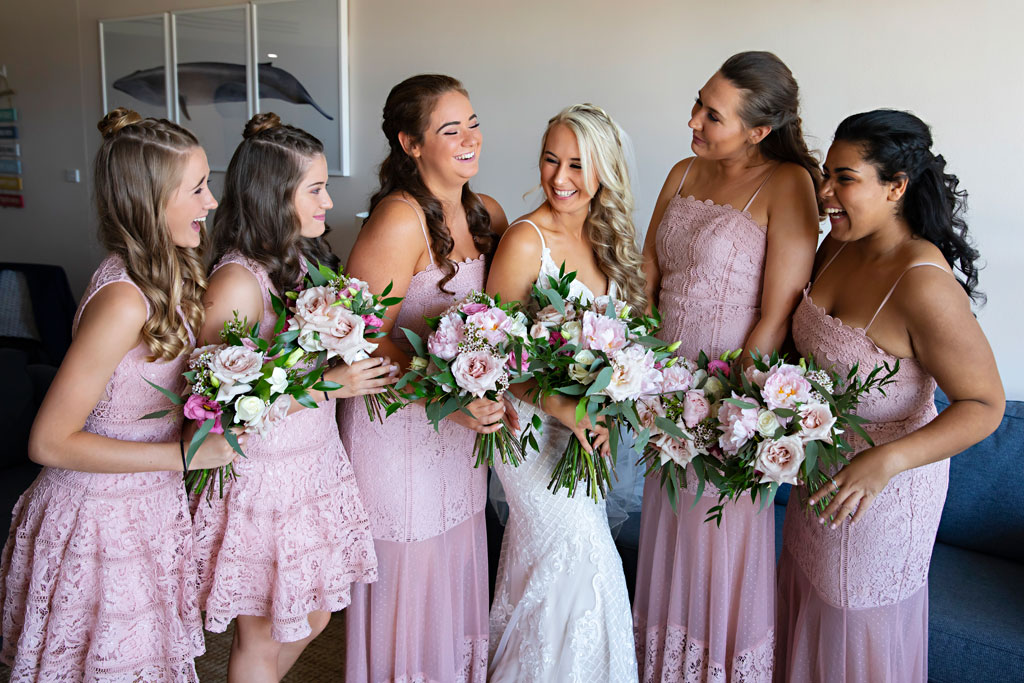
<point x="98" y="580"/>
<point x="704" y="607"/>
<point x="853" y="601"/>
<point x="290" y="536"/>
<point x="425" y="620"/>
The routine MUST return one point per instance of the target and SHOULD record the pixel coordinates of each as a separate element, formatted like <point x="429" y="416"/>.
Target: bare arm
<point x="944" y="333"/>
<point x="109" y="328"/>
<point x="789" y="257"/>
<point x="652" y="272"/>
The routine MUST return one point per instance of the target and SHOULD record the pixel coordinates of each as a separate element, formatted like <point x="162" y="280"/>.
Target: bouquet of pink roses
<point x="605" y="355"/>
<point x="749" y="432"/>
<point x="473" y="347"/>
<point x="245" y="382"/>
<point x="336" y="316"/>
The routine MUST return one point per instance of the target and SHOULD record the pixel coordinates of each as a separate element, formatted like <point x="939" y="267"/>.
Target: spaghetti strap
<point x="685" y="173"/>
<point x="423" y="225"/>
<point x="829" y="263"/>
<point x="758" y="190"/>
<point x="893" y="289"/>
<point x="543" y="244"/>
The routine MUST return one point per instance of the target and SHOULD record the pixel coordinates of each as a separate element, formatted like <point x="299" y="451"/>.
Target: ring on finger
<point x="835" y="486"/>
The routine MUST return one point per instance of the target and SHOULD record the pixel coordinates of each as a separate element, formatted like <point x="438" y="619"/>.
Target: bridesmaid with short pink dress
<point x="723" y="278"/>
<point x="425" y="619"/>
<point x="98" y="579"/>
<point x="853" y="585"/>
<point x="280" y="550"/>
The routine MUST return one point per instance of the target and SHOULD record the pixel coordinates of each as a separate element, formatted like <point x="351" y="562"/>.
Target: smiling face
<point x="450" y="146"/>
<point x="856" y="201"/>
<point x="190" y="202"/>
<point x="311" y="198"/>
<point x="561" y="172"/>
<point x="718" y="130"/>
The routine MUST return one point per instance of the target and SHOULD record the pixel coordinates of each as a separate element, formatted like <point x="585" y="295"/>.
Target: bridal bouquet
<point x="749" y="432"/>
<point x="245" y="382"/>
<point x="601" y="353"/>
<point x="336" y="316"/>
<point x="471" y="352"/>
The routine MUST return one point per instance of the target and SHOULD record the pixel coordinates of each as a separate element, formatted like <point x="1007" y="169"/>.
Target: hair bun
<point x="116" y="120"/>
<point x="261" y="122"/>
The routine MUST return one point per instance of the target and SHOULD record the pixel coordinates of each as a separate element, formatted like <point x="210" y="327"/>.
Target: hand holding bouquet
<point x="468" y="355"/>
<point x="244" y="382"/>
<point x="336" y="316"/>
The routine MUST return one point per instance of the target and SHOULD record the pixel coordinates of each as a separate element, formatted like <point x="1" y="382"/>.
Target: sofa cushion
<point x="975" y="629"/>
<point x="985" y="505"/>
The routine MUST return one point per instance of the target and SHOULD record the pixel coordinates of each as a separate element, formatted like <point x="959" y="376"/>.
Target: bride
<point x="561" y="610"/>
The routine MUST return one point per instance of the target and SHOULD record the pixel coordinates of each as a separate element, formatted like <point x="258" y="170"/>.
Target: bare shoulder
<point x="499" y="222"/>
<point x="521" y="241"/>
<point x="928" y="293"/>
<point x="396" y="218"/>
<point x="119" y="306"/>
<point x="675" y="175"/>
<point x="790" y="180"/>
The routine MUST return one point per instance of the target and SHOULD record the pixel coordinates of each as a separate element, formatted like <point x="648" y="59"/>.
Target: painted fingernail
<point x="821" y="520"/>
<point x="833" y="526"/>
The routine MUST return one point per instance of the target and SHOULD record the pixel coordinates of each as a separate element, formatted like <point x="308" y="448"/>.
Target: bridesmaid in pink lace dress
<point x="426" y="618"/>
<point x="723" y="278"/>
<point x="98" y="577"/>
<point x="853" y="585"/>
<point x="280" y="551"/>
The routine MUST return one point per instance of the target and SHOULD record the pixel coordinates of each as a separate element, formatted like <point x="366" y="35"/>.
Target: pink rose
<point x="816" y="422"/>
<point x="478" y="372"/>
<point x="780" y="461"/>
<point x="444" y="342"/>
<point x="372" y="322"/>
<point x="313" y="309"/>
<point x="738" y="425"/>
<point x="549" y="315"/>
<point x="755" y="376"/>
<point x="695" y="407"/>
<point x="718" y="366"/>
<point x="601" y="333"/>
<point x="519" y="363"/>
<point x="647" y="411"/>
<point x="345" y="337"/>
<point x="492" y="323"/>
<point x="235" y="367"/>
<point x="785" y="388"/>
<point x="473" y="307"/>
<point x="271" y="416"/>
<point x="200" y="408"/>
<point x="676" y="377"/>
<point x="633" y="374"/>
<point x="671" y="449"/>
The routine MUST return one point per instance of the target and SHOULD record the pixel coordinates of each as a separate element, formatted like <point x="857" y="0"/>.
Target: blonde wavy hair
<point x="609" y="225"/>
<point x="137" y="170"/>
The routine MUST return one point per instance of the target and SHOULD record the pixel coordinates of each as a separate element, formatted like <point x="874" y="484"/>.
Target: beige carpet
<point x="322" y="662"/>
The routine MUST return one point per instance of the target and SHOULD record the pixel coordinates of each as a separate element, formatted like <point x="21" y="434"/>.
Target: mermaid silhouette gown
<point x="561" y="608"/>
<point x="425" y="620"/>
<point x="98" y="578"/>
<point x="704" y="607"/>
<point x="853" y="601"/>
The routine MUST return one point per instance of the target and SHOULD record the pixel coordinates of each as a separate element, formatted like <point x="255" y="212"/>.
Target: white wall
<point x="958" y="65"/>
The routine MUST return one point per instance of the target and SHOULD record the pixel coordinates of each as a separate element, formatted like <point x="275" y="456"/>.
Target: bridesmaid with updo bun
<point x="282" y="548"/>
<point x="98" y="579"/>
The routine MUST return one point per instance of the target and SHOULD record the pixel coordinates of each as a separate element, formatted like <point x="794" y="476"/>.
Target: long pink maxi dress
<point x="853" y="601"/>
<point x="705" y="595"/>
<point x="98" y="575"/>
<point x="425" y="620"/>
<point x="290" y="536"/>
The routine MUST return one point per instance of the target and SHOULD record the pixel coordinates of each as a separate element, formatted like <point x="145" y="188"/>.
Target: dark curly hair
<point x="897" y="142"/>
<point x="407" y="110"/>
<point x="257" y="211"/>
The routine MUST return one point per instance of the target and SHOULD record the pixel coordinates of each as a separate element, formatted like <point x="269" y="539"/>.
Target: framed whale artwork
<point x="227" y="63"/>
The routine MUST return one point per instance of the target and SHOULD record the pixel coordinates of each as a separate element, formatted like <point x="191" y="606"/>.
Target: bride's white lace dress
<point x="561" y="611"/>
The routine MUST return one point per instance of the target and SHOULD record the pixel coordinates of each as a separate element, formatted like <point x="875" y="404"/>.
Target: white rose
<point x="278" y="381"/>
<point x="816" y="422"/>
<point x="580" y="373"/>
<point x="780" y="460"/>
<point x="418" y="363"/>
<point x="767" y="423"/>
<point x="585" y="357"/>
<point x="517" y="326"/>
<point x="270" y="417"/>
<point x="714" y="388"/>
<point x="571" y="331"/>
<point x="308" y="340"/>
<point x="698" y="378"/>
<point x="247" y="408"/>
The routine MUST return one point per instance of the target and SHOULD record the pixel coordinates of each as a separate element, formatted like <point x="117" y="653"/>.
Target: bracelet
<point x="184" y="465"/>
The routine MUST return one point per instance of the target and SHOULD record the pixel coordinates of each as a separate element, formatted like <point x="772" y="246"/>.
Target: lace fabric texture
<point x="290" y="535"/>
<point x="98" y="575"/>
<point x="713" y="585"/>
<point x="867" y="582"/>
<point x="426" y="617"/>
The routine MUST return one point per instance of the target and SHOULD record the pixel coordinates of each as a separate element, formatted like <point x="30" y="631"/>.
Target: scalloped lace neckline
<point x="728" y="207"/>
<point x="434" y="266"/>
<point x="859" y="331"/>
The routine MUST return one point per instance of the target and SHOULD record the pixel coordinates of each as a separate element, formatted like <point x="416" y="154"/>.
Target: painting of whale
<point x="210" y="82"/>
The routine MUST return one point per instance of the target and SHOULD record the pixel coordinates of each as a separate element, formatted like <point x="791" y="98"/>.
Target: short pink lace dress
<point x="290" y="536"/>
<point x="704" y="607"/>
<point x="98" y="580"/>
<point x="425" y="620"/>
<point x="853" y="601"/>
